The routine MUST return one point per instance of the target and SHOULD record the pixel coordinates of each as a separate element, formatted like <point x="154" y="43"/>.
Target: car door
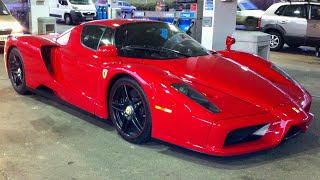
<point x="120" y="5"/>
<point x="294" y="22"/>
<point x="126" y="7"/>
<point x="81" y="67"/>
<point x="313" y="26"/>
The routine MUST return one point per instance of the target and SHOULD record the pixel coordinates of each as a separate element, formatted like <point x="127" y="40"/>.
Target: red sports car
<point x="152" y="80"/>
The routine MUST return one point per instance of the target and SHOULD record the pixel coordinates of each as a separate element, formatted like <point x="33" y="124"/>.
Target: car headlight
<point x="16" y="27"/>
<point x="196" y="97"/>
<point x="74" y="7"/>
<point x="283" y="73"/>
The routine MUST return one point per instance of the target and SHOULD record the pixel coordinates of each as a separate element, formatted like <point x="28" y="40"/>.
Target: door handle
<point x="283" y="22"/>
<point x="314" y="26"/>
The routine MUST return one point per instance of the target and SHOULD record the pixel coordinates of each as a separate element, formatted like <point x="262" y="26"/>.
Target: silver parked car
<point x="248" y="14"/>
<point x="296" y="24"/>
<point x="126" y="7"/>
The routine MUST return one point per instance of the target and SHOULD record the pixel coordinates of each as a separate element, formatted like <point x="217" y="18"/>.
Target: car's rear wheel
<point x="68" y="19"/>
<point x="276" y="42"/>
<point x="251" y="24"/>
<point x="16" y="71"/>
<point x="129" y="110"/>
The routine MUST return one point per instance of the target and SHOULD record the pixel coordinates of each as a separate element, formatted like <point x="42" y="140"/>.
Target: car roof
<point x="302" y="2"/>
<point x="117" y="22"/>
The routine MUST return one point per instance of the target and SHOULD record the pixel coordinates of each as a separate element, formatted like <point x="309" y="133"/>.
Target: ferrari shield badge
<point x="104" y="73"/>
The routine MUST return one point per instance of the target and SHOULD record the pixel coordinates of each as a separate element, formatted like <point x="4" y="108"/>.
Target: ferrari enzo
<point x="152" y="80"/>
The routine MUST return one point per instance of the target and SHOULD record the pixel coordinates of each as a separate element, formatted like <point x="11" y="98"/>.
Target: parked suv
<point x="296" y="24"/>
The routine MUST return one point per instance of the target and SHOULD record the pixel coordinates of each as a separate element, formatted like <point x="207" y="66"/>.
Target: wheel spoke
<point x="17" y="80"/>
<point x="118" y="106"/>
<point x="137" y="103"/>
<point x="136" y="123"/>
<point x="126" y="95"/>
<point x="125" y="125"/>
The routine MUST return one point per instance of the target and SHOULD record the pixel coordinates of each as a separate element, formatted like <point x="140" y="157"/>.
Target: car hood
<point x="227" y="76"/>
<point x="7" y="19"/>
<point x="89" y="7"/>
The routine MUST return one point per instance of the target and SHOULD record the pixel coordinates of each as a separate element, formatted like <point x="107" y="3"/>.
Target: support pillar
<point x="219" y="21"/>
<point x="38" y="8"/>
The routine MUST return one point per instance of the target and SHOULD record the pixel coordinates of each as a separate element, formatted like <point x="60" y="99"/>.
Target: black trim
<point x="273" y="27"/>
<point x="243" y="135"/>
<point x="55" y="15"/>
<point x="77" y="17"/>
<point x="46" y="57"/>
<point x="313" y="41"/>
<point x="295" y="40"/>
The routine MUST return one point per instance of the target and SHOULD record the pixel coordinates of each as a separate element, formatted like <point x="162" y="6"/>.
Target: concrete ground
<point x="41" y="139"/>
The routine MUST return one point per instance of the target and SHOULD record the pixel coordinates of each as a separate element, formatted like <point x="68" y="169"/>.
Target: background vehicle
<point x="296" y="24"/>
<point x="248" y="14"/>
<point x="8" y="24"/>
<point x="72" y="11"/>
<point x="153" y="80"/>
<point x="126" y="7"/>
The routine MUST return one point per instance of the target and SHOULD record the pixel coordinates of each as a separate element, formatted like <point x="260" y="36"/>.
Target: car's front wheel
<point x="276" y="42"/>
<point x="68" y="19"/>
<point x="129" y="110"/>
<point x="16" y="71"/>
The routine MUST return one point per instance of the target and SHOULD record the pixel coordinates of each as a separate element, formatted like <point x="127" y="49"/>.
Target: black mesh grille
<point x="5" y="31"/>
<point x="294" y="130"/>
<point x="242" y="135"/>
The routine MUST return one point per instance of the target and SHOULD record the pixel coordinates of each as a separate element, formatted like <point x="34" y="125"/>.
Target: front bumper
<point x="278" y="130"/>
<point x="78" y="16"/>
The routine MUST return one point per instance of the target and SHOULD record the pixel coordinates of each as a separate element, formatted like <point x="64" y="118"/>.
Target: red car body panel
<point x="243" y="86"/>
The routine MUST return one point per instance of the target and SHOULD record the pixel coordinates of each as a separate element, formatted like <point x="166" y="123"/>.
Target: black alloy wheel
<point x="130" y="111"/>
<point x="16" y="71"/>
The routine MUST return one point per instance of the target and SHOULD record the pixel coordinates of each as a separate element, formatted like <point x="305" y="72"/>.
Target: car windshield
<point x="156" y="40"/>
<point x="80" y="2"/>
<point x="247" y="5"/>
<point x="3" y="9"/>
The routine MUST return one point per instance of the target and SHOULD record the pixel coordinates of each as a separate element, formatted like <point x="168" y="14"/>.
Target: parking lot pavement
<point x="41" y="139"/>
<point x="61" y="27"/>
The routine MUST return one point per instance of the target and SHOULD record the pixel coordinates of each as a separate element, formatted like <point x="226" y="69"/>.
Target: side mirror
<point x="229" y="42"/>
<point x="107" y="51"/>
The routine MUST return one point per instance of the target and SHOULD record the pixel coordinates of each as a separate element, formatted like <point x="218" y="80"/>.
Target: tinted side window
<point x="315" y="12"/>
<point x="107" y="38"/>
<point x="279" y="11"/>
<point x="91" y="35"/>
<point x="298" y="11"/>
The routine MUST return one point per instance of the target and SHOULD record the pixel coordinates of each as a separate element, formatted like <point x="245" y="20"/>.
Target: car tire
<point x="293" y="45"/>
<point x="276" y="42"/>
<point x="251" y="24"/>
<point x="129" y="111"/>
<point x="68" y="19"/>
<point x="16" y="72"/>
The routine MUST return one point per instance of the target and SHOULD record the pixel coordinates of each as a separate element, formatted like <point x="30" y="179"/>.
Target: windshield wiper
<point x="150" y="48"/>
